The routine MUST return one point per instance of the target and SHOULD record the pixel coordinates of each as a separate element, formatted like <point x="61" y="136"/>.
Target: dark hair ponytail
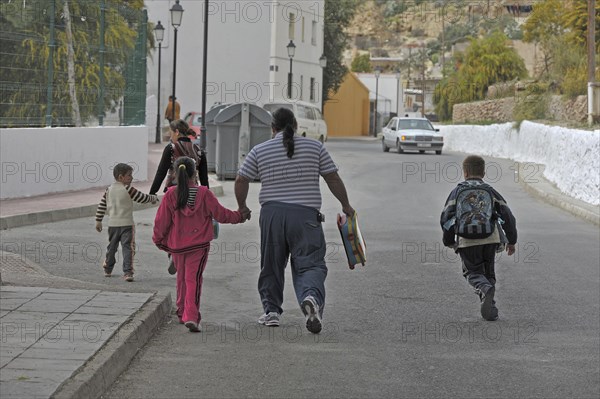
<point x="285" y="121"/>
<point x="182" y="127"/>
<point x="185" y="167"/>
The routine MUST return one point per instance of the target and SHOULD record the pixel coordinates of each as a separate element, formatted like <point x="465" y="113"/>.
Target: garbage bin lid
<point x="210" y="115"/>
<point x="234" y="109"/>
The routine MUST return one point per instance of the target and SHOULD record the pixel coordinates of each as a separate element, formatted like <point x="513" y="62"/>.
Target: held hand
<point x="348" y="210"/>
<point x="155" y="200"/>
<point x="246" y="213"/>
<point x="99" y="227"/>
<point x="510" y="249"/>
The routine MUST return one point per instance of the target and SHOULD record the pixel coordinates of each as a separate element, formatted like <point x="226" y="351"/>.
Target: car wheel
<point x="439" y="152"/>
<point x="385" y="147"/>
<point x="321" y="139"/>
<point x="398" y="147"/>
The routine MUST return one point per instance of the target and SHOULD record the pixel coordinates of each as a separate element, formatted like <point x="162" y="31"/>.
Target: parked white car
<point x="411" y="134"/>
<point x="310" y="120"/>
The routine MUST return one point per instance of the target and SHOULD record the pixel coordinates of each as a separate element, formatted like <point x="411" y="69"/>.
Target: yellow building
<point x="347" y="111"/>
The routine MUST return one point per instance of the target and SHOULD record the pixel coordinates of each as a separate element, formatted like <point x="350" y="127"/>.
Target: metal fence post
<point x="52" y="45"/>
<point x="102" y="51"/>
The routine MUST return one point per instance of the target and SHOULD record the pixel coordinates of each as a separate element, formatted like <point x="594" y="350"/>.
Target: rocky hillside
<point x="385" y="28"/>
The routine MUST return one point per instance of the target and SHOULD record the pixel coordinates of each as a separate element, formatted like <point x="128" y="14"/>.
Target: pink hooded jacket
<point x="187" y="229"/>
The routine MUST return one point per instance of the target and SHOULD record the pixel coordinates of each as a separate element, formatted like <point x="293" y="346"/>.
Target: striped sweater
<point x="118" y="201"/>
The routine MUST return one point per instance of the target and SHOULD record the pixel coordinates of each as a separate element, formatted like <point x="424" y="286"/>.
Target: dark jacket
<point x="500" y="207"/>
<point x="166" y="164"/>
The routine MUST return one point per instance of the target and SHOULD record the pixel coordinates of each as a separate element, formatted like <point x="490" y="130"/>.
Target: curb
<point x="56" y="215"/>
<point x="102" y="370"/>
<point x="548" y="192"/>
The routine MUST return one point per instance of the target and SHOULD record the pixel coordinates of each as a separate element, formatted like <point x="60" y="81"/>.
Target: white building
<point x="387" y="86"/>
<point x="247" y="52"/>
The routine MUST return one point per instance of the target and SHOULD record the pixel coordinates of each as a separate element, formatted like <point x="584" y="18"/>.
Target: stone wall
<point x="501" y="110"/>
<point x="570" y="110"/>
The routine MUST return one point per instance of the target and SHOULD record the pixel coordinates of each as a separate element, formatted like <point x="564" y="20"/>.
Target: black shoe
<point x="172" y="270"/>
<point x="311" y="311"/>
<point x="192" y="326"/>
<point x="486" y="305"/>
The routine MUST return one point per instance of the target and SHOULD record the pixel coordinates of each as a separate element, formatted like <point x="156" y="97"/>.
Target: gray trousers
<point x="126" y="236"/>
<point x="288" y="230"/>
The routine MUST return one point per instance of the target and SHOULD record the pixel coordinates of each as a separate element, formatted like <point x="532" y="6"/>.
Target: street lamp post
<point x="323" y="63"/>
<point x="159" y="33"/>
<point x="291" y="49"/>
<point x="398" y="75"/>
<point x="176" y="16"/>
<point x="377" y="74"/>
<point x="204" y="66"/>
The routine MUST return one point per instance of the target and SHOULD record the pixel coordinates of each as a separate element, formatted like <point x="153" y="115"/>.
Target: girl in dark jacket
<point x="180" y="145"/>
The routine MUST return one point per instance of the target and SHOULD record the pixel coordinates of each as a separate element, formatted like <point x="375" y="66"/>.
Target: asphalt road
<point x="405" y="325"/>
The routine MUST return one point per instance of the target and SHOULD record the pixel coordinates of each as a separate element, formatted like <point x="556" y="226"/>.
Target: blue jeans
<point x="294" y="231"/>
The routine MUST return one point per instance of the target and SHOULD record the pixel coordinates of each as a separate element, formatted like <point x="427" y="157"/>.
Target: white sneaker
<point x="270" y="319"/>
<point x="311" y="311"/>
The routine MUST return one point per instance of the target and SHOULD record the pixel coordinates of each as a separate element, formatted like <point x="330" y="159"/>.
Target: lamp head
<point x="323" y="61"/>
<point x="159" y="32"/>
<point x="291" y="49"/>
<point x="176" y="14"/>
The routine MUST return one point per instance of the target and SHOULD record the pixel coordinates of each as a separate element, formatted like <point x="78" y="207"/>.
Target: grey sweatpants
<point x="288" y="230"/>
<point x="126" y="236"/>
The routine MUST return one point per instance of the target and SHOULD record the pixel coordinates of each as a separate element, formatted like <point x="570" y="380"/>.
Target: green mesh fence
<point x="70" y="63"/>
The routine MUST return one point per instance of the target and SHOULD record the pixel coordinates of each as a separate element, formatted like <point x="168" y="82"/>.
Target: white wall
<point x="571" y="157"/>
<point x="389" y="87"/>
<point x="239" y="51"/>
<point x="306" y="60"/>
<point x="49" y="160"/>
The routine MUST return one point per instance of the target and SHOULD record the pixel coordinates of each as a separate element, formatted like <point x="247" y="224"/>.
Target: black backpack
<point x="475" y="214"/>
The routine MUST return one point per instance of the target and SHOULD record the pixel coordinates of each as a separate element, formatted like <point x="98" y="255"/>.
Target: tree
<point x="361" y="63"/>
<point x="560" y="27"/>
<point x="486" y="61"/>
<point x="338" y="15"/>
<point x="575" y="20"/>
<point x="30" y="45"/>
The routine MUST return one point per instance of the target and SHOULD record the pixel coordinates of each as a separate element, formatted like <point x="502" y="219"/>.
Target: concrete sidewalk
<point x="66" y="338"/>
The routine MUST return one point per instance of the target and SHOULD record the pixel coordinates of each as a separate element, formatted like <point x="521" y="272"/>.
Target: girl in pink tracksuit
<point x="183" y="227"/>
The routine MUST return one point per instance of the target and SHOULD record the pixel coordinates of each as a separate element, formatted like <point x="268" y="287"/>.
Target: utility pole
<point x="443" y="38"/>
<point x="423" y="82"/>
<point x="591" y="42"/>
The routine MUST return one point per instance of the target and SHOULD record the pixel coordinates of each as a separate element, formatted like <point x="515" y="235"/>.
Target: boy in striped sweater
<point x="118" y="201"/>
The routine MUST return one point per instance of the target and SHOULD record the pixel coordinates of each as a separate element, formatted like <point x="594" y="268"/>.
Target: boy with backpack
<point x="477" y="223"/>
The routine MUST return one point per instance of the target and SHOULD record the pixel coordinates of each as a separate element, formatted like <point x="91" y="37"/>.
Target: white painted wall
<point x="389" y="87"/>
<point x="50" y="160"/>
<point x="245" y="38"/>
<point x="571" y="156"/>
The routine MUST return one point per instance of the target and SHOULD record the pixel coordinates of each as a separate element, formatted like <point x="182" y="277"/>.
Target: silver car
<point x="411" y="134"/>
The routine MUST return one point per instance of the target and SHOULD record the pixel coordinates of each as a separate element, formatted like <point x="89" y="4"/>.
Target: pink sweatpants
<point x="190" y="268"/>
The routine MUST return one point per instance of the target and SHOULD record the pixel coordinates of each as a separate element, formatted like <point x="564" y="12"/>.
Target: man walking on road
<point x="289" y="167"/>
